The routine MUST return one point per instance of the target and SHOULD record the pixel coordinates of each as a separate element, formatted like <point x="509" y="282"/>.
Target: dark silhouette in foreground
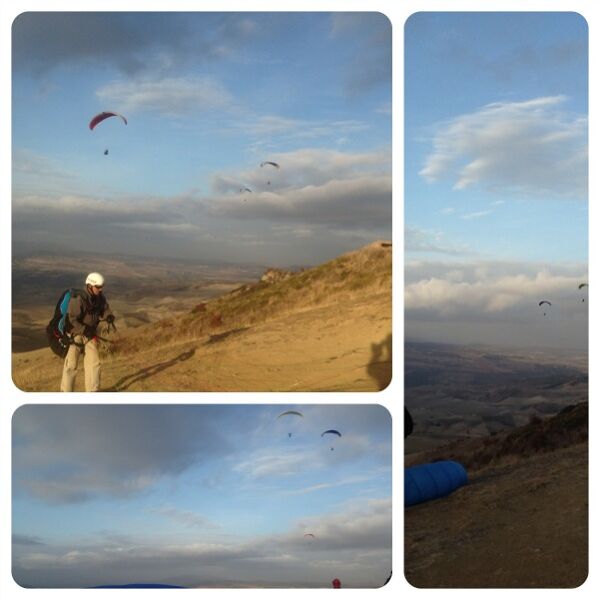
<point x="380" y="365"/>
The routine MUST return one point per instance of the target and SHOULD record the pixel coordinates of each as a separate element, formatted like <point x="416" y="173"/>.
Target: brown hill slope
<point x="325" y="328"/>
<point x="521" y="522"/>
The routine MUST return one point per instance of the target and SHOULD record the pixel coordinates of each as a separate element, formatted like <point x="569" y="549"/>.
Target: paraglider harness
<point x="57" y="330"/>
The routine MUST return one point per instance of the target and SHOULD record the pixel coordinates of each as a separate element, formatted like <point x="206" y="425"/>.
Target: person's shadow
<point x="127" y="381"/>
<point x="380" y="365"/>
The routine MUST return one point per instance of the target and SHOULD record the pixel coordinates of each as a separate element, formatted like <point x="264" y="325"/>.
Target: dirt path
<point x="520" y="525"/>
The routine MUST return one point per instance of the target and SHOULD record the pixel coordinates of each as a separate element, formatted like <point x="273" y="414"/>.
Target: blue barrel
<point x="432" y="480"/>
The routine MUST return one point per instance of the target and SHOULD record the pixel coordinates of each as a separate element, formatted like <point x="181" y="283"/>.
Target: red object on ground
<point x="336" y="583"/>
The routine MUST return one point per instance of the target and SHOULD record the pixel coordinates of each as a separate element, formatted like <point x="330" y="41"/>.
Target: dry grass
<point x="567" y="428"/>
<point x="340" y="280"/>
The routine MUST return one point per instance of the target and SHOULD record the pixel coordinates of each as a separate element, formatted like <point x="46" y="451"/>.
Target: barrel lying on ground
<point x="432" y="480"/>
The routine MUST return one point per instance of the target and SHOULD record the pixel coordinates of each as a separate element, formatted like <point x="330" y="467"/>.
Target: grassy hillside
<point x="323" y="328"/>
<point x="522" y="521"/>
<point x="358" y="275"/>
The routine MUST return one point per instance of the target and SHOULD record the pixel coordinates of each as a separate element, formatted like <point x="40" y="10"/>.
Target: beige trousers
<point x="91" y="365"/>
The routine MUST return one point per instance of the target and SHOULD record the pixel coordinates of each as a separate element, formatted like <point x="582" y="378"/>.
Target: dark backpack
<point x="57" y="329"/>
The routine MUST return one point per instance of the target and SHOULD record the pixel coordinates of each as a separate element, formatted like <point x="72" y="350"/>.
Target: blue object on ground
<point x="432" y="480"/>
<point x="137" y="585"/>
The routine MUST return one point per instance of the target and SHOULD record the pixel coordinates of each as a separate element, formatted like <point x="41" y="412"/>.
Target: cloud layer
<point x="352" y="543"/>
<point x="237" y="516"/>
<point x="527" y="148"/>
<point x="159" y="42"/>
<point x="76" y="453"/>
<point x="341" y="199"/>
<point x="487" y="302"/>
<point x="171" y="96"/>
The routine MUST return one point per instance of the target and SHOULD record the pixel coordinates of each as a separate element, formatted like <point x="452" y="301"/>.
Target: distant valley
<point x="455" y="392"/>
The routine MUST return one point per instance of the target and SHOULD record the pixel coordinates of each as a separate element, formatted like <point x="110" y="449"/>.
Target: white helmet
<point x="94" y="279"/>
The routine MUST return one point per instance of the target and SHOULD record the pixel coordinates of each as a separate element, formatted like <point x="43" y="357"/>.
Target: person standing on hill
<point x="86" y="309"/>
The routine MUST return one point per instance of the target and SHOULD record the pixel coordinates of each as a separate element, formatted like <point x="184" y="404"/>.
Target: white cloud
<point x="354" y="542"/>
<point x="169" y="228"/>
<point x="477" y="290"/>
<point x="496" y="303"/>
<point x="426" y="240"/>
<point x="271" y="464"/>
<point x="313" y="186"/>
<point x="340" y="199"/>
<point x="275" y="125"/>
<point x="530" y="147"/>
<point x="328" y="485"/>
<point x="29" y="169"/>
<point x="475" y="215"/>
<point x="189" y="518"/>
<point x="172" y="96"/>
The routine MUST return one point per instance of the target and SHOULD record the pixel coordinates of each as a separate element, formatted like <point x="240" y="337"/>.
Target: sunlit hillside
<point x="326" y="328"/>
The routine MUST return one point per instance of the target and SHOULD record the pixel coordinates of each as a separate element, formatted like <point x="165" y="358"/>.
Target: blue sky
<point x="122" y="494"/>
<point x="495" y="203"/>
<point x="208" y="97"/>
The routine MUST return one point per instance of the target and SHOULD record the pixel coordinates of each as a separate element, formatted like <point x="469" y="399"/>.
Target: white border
<point x="11" y="398"/>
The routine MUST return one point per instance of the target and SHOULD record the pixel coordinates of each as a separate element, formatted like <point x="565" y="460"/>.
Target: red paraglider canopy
<point x="105" y="115"/>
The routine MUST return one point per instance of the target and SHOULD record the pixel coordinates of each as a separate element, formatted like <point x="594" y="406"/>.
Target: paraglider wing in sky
<point x="544" y="302"/>
<point x="290" y="414"/>
<point x="103" y="116"/>
<point x="269" y="162"/>
<point x="333" y="432"/>
<point x="580" y="287"/>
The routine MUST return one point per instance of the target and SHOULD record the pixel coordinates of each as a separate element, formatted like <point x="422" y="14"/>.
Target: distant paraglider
<point x="103" y="116"/>
<point x="331" y="432"/>
<point x="310" y="536"/>
<point x="544" y="303"/>
<point x="580" y="287"/>
<point x="272" y="164"/>
<point x="290" y="414"/>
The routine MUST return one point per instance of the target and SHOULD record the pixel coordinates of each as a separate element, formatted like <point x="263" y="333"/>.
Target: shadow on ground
<point x="219" y="337"/>
<point x="127" y="381"/>
<point x="380" y="365"/>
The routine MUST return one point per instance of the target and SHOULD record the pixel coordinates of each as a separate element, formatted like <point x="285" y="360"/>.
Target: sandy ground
<point x="322" y="349"/>
<point x="520" y="525"/>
